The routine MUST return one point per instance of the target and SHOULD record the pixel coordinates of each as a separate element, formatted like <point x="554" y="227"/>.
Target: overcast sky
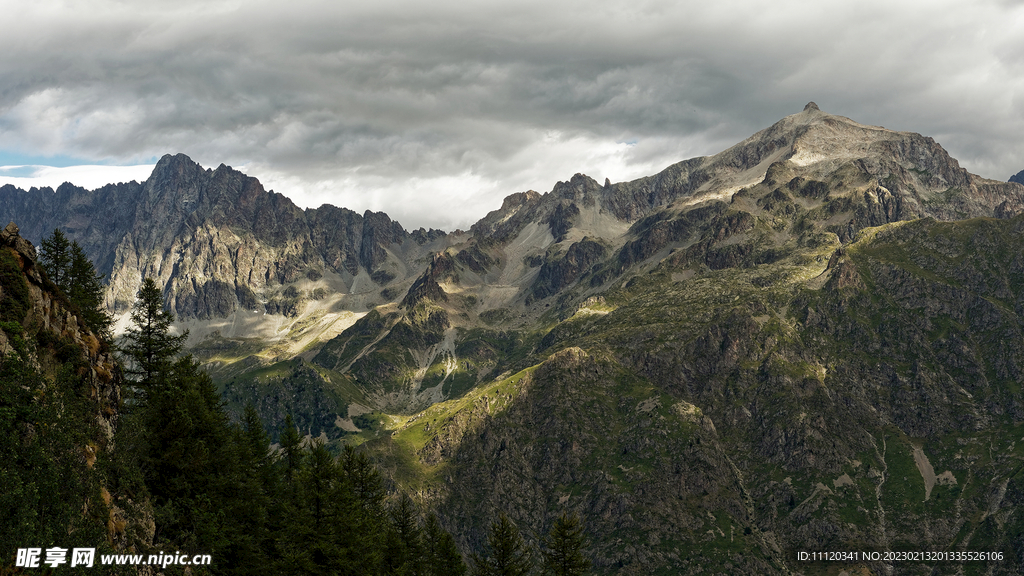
<point x="434" y="111"/>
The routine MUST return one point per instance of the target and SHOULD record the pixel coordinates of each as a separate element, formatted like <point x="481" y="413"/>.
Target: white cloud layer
<point x="86" y="176"/>
<point x="433" y="112"/>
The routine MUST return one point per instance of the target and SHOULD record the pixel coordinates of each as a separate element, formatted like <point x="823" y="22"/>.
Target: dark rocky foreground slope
<point x="60" y="402"/>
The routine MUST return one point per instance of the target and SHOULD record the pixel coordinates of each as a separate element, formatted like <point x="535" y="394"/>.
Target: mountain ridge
<point x="187" y="199"/>
<point x="258" y="280"/>
<point x="810" y="341"/>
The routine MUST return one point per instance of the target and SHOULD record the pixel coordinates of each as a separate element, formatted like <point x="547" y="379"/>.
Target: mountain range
<point x="811" y="341"/>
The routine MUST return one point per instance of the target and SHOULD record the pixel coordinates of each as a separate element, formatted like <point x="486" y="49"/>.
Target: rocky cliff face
<point x="216" y="240"/>
<point x="46" y="312"/>
<point x="227" y="244"/>
<point x="96" y="219"/>
<point x="74" y="386"/>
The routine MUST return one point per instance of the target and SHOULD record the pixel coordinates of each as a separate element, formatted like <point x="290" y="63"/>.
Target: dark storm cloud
<point x="415" y="107"/>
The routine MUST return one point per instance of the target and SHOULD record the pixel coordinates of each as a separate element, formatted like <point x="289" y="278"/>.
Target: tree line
<point x="219" y="487"/>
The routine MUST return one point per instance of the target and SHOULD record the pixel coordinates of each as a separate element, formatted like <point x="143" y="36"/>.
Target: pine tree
<point x="255" y="442"/>
<point x="320" y="501"/>
<point x="442" y="556"/>
<point x="149" y="343"/>
<point x="367" y="521"/>
<point x="85" y="290"/>
<point x="565" y="543"/>
<point x="187" y="450"/>
<point x="190" y="465"/>
<point x="507" y="552"/>
<point x="251" y="509"/>
<point x="365" y="480"/>
<point x="67" y="266"/>
<point x="55" y="256"/>
<point x="319" y="482"/>
<point x="291" y="445"/>
<point x="325" y="529"/>
<point x="403" y="549"/>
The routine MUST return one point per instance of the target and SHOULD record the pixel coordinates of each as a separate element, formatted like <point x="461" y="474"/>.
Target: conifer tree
<point x="55" y="256"/>
<point x="365" y="480"/>
<point x="149" y="343"/>
<point x="319" y="483"/>
<point x="190" y="466"/>
<point x="187" y="449"/>
<point x="254" y="444"/>
<point x="403" y="550"/>
<point x="67" y="266"/>
<point x="291" y="445"/>
<point x="442" y="556"/>
<point x="367" y="517"/>
<point x="507" y="552"/>
<point x="321" y="501"/>
<point x="85" y="290"/>
<point x="324" y="528"/>
<point x="564" y="548"/>
<point x="253" y="507"/>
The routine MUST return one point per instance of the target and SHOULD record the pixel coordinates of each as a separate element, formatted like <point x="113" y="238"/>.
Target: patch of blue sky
<point x="19" y="171"/>
<point x="10" y="158"/>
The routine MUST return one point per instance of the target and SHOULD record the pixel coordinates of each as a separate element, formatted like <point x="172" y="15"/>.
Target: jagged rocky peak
<point x="509" y="206"/>
<point x="428" y="286"/>
<point x="518" y="199"/>
<point x="178" y="177"/>
<point x="224" y="243"/>
<point x="179" y="188"/>
<point x="848" y="158"/>
<point x="422" y="235"/>
<point x="906" y="174"/>
<point x="579" y="188"/>
<point x="379" y="231"/>
<point x="826" y="142"/>
<point x="1018" y="178"/>
<point x="495" y="225"/>
<point x="217" y="242"/>
<point x="817" y="178"/>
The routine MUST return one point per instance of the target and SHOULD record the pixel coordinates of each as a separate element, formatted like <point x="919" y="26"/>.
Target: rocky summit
<point x="809" y="342"/>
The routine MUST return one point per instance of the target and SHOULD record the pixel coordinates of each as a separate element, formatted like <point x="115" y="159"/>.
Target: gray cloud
<point x="414" y="108"/>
